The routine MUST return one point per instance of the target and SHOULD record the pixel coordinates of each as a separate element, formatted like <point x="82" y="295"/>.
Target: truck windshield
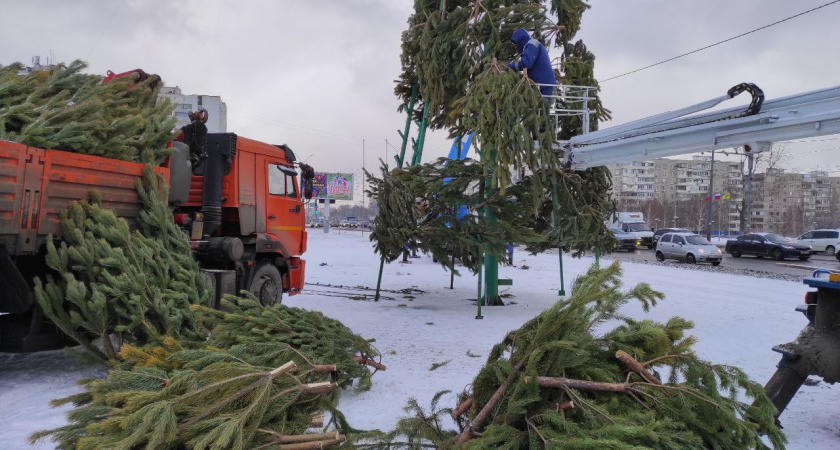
<point x="697" y="240"/>
<point x="638" y="226"/>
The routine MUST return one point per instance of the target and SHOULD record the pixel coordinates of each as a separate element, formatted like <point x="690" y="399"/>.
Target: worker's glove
<point x="512" y="65"/>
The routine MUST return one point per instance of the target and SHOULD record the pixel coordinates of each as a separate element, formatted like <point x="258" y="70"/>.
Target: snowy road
<point x="743" y="264"/>
<point x="738" y="319"/>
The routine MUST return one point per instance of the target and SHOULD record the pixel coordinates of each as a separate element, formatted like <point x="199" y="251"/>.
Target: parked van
<point x="821" y="240"/>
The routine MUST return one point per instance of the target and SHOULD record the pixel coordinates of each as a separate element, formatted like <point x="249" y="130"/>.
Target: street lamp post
<point x="656" y="223"/>
<point x="675" y="221"/>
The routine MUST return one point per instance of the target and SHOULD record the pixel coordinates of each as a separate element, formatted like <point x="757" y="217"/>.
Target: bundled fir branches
<point x="430" y="197"/>
<point x="451" y="55"/>
<point x="420" y="207"/>
<point x="65" y="109"/>
<point x="581" y="375"/>
<point x="510" y="119"/>
<point x="137" y="284"/>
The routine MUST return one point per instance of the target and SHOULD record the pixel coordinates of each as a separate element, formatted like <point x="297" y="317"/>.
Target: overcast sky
<point x="318" y="75"/>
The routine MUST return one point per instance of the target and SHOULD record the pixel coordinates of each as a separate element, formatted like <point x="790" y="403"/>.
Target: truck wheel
<point x="659" y="256"/>
<point x="778" y="255"/>
<point x="829" y="250"/>
<point x="689" y="258"/>
<point x="267" y="284"/>
<point x="651" y="246"/>
<point x="735" y="252"/>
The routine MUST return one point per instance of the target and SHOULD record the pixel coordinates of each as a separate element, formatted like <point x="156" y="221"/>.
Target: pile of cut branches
<point x="581" y="375"/>
<point x="263" y="376"/>
<point x="183" y="375"/>
<point x="65" y="109"/>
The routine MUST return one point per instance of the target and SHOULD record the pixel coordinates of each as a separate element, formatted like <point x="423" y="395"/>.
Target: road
<point x="746" y="263"/>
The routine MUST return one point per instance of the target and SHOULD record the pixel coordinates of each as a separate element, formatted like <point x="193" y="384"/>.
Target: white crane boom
<point x="798" y="116"/>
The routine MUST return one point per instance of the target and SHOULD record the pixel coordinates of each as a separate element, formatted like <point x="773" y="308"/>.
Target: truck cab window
<point x="276" y="180"/>
<point x="291" y="186"/>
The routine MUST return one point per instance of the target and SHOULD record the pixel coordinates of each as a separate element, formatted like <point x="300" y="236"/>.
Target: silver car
<point x="689" y="247"/>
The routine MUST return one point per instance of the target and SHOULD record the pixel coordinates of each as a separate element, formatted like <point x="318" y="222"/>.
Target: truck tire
<point x="267" y="284"/>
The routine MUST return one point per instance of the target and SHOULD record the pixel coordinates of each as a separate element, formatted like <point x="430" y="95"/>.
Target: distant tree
<point x="772" y="159"/>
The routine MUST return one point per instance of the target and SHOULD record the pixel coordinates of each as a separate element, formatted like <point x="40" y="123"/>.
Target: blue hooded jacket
<point x="535" y="58"/>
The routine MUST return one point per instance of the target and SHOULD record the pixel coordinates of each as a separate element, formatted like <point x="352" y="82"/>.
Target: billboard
<point x="337" y="186"/>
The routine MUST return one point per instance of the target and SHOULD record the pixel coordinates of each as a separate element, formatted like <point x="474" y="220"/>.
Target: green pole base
<point x="561" y="292"/>
<point x="479" y="317"/>
<point x="492" y="301"/>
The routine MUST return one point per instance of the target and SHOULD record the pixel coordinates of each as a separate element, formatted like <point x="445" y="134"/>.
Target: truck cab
<point x="634" y="224"/>
<point x="251" y="221"/>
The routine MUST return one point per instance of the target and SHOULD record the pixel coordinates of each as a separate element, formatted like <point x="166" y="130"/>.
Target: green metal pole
<point x="554" y="199"/>
<point x="562" y="291"/>
<point x="478" y="313"/>
<point x="414" y="89"/>
<point x="421" y="137"/>
<point x="491" y="262"/>
<point x="379" y="280"/>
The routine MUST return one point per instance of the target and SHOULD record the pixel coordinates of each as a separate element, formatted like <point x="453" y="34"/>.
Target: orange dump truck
<point x="240" y="202"/>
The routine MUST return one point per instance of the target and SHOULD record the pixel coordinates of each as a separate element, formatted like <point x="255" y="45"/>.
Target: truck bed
<point x="37" y="184"/>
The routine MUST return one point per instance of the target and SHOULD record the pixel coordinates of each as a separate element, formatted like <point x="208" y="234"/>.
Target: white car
<point x="821" y="240"/>
<point x="689" y="247"/>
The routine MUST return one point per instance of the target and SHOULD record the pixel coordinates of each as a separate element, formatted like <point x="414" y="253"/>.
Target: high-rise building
<point x="674" y="192"/>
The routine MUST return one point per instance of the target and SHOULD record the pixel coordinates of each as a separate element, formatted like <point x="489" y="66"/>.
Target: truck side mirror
<point x="307" y="174"/>
<point x="624" y="227"/>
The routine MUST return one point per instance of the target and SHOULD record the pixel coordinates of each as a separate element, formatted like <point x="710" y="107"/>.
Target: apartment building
<point x="673" y="192"/>
<point x="791" y="203"/>
<point x="670" y="183"/>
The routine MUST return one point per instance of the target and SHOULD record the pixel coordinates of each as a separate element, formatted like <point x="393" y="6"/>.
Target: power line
<point x="105" y="28"/>
<point x="721" y="42"/>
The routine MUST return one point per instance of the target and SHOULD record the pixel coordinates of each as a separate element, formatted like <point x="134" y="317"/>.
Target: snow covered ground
<point x="738" y="319"/>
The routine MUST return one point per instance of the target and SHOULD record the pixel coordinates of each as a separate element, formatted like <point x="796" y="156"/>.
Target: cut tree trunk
<point x="369" y="362"/>
<point x="463" y="407"/>
<point x="636" y="367"/>
<point x="582" y="385"/>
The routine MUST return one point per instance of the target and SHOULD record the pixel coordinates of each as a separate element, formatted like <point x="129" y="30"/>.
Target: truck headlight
<point x="719" y="252"/>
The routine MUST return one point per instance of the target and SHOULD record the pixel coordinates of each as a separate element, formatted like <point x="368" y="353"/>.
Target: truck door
<point x="284" y="213"/>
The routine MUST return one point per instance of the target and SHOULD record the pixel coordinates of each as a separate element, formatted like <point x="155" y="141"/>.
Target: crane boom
<point x="799" y="116"/>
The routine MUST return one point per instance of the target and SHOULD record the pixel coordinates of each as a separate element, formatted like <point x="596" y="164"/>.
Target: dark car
<point x="767" y="244"/>
<point x="658" y="233"/>
<point x="626" y="241"/>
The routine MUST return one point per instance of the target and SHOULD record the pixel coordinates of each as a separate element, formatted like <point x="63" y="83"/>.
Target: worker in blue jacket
<point x="535" y="59"/>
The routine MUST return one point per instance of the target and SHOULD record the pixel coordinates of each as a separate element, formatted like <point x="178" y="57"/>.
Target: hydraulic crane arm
<point x="798" y="116"/>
